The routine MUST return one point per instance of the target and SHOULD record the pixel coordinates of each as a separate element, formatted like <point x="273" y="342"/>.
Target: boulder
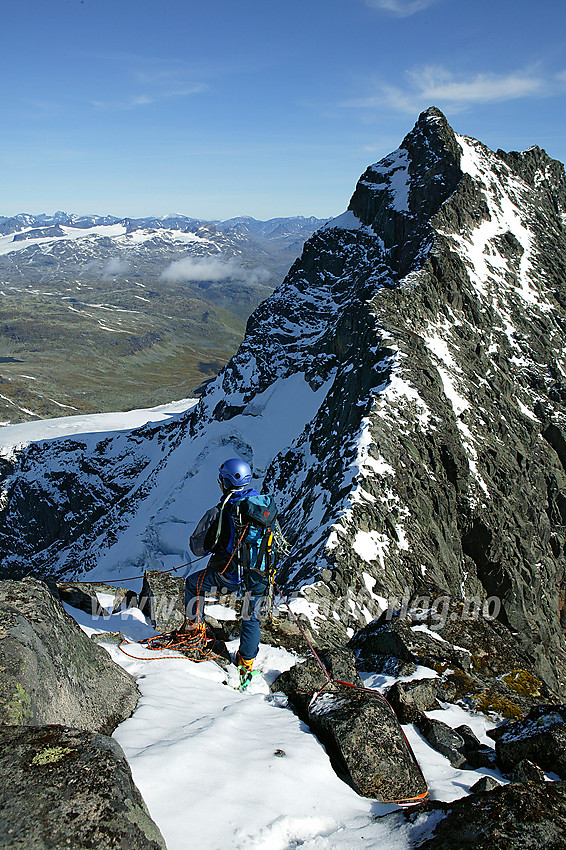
<point x="526" y="772"/>
<point x="511" y="817"/>
<point x="303" y="680"/>
<point x="409" y="699"/>
<point x="484" y="756"/>
<point x="358" y="727"/>
<point x="486" y="783"/>
<point x="83" y="595"/>
<point x="52" y="672"/>
<point x="540" y="738"/>
<point x="162" y="599"/>
<point x="63" y="787"/>
<point x="362" y="735"/>
<point x="477" y="754"/>
<point x="444" y="739"/>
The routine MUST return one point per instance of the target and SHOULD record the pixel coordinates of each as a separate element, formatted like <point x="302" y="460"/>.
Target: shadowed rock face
<point x="51" y="671"/>
<point x="68" y="788"/>
<point x="431" y="318"/>
<point x="539" y="738"/>
<point x="511" y="817"/>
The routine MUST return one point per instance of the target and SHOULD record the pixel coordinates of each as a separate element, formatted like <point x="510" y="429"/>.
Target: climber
<point x="238" y="534"/>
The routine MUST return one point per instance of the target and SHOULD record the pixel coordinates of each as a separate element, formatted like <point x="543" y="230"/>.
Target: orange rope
<point x="193" y="641"/>
<point x="221" y="573"/>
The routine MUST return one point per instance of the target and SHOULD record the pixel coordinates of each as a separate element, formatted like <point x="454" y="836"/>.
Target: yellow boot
<point x="247" y="664"/>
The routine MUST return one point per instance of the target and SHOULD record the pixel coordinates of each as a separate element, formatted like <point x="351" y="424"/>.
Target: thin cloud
<point x="114" y="267"/>
<point x="401" y="8"/>
<point x="435" y="84"/>
<point x="145" y="99"/>
<point x="213" y="269"/>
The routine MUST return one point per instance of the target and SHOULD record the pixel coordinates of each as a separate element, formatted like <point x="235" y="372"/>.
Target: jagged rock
<point x="83" y="595"/>
<point x="162" y="599"/>
<point x="526" y="771"/>
<point x="403" y="639"/>
<point x="540" y="738"/>
<point x="486" y="783"/>
<point x="79" y="598"/>
<point x="480" y="664"/>
<point x="511" y="817"/>
<point x="52" y="673"/>
<point x="409" y="699"/>
<point x="443" y="738"/>
<point x="303" y="680"/>
<point x="63" y="787"/>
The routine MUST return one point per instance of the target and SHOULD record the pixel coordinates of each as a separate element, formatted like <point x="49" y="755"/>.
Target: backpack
<point x="254" y="517"/>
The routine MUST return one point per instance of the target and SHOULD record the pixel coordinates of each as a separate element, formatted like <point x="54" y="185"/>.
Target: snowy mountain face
<point x="100" y="314"/>
<point x="402" y="393"/>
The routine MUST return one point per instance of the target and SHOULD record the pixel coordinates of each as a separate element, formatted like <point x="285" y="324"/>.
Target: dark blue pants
<point x="197" y="584"/>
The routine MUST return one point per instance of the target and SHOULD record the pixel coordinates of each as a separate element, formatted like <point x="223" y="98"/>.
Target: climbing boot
<point x="246" y="663"/>
<point x="246" y="671"/>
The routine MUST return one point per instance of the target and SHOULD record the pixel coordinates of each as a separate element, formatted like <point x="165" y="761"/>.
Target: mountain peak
<point x="398" y="195"/>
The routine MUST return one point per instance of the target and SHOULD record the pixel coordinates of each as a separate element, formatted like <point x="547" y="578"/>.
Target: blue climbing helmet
<point x="235" y="474"/>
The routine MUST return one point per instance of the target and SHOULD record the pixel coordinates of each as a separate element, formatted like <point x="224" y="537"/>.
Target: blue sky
<point x="257" y="107"/>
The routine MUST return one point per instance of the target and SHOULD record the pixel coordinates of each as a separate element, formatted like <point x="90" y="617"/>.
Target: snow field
<point x="12" y="436"/>
<point x="221" y="769"/>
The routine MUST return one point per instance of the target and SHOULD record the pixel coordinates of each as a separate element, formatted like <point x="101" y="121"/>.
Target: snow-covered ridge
<point x="18" y="436"/>
<point x="24" y="231"/>
<point x="117" y="232"/>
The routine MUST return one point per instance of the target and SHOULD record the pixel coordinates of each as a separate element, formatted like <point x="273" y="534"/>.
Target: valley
<point x="99" y="315"/>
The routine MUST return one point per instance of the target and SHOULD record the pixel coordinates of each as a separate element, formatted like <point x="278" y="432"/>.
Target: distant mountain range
<point x="101" y="313"/>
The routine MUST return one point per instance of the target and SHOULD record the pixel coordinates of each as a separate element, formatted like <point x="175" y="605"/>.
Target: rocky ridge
<point x="418" y="343"/>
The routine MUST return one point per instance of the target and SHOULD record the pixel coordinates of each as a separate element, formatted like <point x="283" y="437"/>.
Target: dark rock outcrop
<point x="478" y="661"/>
<point x="63" y="787"/>
<point x="162" y="599"/>
<point x="83" y="595"/>
<point x="540" y="738"/>
<point x="511" y="817"/>
<point x="52" y="672"/>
